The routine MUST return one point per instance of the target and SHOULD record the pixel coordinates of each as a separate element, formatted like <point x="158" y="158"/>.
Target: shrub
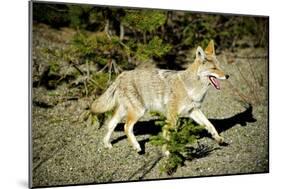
<point x="185" y="134"/>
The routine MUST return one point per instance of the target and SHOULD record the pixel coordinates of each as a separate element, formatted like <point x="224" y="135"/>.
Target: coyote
<point x="172" y="93"/>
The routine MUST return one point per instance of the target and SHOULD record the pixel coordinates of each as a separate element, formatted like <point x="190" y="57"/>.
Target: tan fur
<point x="172" y="93"/>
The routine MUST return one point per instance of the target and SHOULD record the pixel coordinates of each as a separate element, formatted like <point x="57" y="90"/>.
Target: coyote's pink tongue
<point x="215" y="82"/>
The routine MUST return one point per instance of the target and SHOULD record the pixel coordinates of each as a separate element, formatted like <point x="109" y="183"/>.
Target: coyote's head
<point x="209" y="70"/>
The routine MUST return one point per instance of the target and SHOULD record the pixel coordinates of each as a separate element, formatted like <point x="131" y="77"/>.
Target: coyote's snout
<point x="172" y="93"/>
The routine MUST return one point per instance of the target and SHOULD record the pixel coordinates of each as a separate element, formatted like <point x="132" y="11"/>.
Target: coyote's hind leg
<point x="118" y="115"/>
<point x="132" y="118"/>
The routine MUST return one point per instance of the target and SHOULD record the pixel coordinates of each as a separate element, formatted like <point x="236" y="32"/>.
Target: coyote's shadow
<point x="149" y="127"/>
<point x="241" y="118"/>
<point x="140" y="128"/>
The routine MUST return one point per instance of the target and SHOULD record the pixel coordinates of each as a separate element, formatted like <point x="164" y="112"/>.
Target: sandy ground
<point x="67" y="147"/>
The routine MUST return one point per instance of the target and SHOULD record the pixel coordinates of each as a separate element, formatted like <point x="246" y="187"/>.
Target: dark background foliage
<point x="116" y="39"/>
<point x="224" y="29"/>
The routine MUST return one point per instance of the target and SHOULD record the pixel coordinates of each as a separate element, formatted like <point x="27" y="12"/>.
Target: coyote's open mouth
<point x="215" y="82"/>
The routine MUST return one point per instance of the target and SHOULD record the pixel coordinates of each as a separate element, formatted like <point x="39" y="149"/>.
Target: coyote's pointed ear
<point x="210" y="48"/>
<point x="200" y="53"/>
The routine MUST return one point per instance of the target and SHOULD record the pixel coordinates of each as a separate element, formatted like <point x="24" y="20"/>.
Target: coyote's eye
<point x="206" y="60"/>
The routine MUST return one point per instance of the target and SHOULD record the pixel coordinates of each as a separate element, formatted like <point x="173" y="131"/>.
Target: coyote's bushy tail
<point x="106" y="101"/>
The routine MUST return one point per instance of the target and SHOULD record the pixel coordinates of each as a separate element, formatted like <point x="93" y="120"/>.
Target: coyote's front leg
<point x="168" y="127"/>
<point x="201" y="119"/>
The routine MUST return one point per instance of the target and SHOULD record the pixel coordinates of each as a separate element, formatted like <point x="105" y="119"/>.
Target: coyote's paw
<point x="107" y="144"/>
<point x="137" y="148"/>
<point x="220" y="140"/>
<point x="165" y="152"/>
